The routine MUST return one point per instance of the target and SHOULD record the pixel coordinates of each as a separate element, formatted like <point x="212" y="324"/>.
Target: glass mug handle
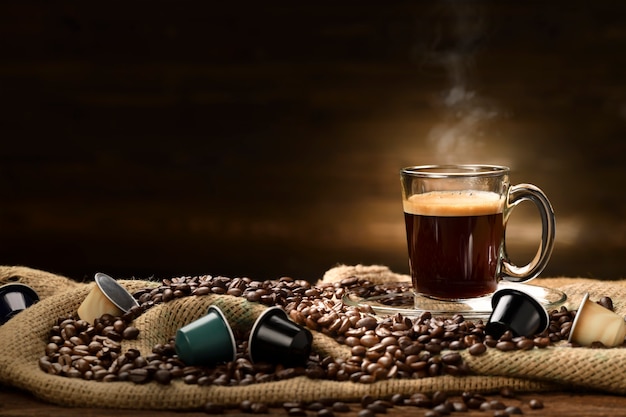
<point x="529" y="192"/>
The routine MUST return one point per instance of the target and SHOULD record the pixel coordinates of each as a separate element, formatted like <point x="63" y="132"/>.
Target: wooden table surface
<point x="14" y="402"/>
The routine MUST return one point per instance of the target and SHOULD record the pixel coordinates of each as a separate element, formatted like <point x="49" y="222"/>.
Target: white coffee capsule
<point x="595" y="323"/>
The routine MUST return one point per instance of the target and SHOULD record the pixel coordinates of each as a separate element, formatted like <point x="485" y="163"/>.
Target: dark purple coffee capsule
<point x="15" y="298"/>
<point x="516" y="311"/>
<point x="276" y="339"/>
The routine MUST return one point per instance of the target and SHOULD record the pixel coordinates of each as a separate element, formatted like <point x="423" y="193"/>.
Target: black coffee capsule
<point x="276" y="339"/>
<point x="516" y="311"/>
<point x="15" y="298"/>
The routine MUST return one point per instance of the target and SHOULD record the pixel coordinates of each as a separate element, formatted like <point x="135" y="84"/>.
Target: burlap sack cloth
<point x="24" y="337"/>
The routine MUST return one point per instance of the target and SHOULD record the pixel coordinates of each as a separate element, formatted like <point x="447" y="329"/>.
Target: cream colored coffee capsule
<point x="595" y="323"/>
<point x="106" y="297"/>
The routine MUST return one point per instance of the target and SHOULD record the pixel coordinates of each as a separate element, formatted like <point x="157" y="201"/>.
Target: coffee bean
<point x="542" y="342"/>
<point x="525" y="344"/>
<point x="606" y="302"/>
<point x="366" y="379"/>
<point x="340" y="407"/>
<point x="398" y="399"/>
<point x="439" y="397"/>
<point x="510" y="410"/>
<point x="213" y="408"/>
<point x="163" y="376"/>
<point x="245" y="406"/>
<point x="259" y="408"/>
<point x="475" y="403"/>
<point x="138" y="376"/>
<point x="453" y="358"/>
<point x="459" y="406"/>
<point x="377" y="408"/>
<point x="477" y="349"/>
<point x="505" y="346"/>
<point x="535" y="404"/>
<point x="368" y="322"/>
<point x="366" y="413"/>
<point x="325" y="412"/>
<point x="369" y="340"/>
<point x="496" y="405"/>
<point x="130" y="333"/>
<point x="485" y="406"/>
<point x="443" y="409"/>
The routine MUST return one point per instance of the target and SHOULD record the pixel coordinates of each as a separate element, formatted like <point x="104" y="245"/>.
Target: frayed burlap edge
<point x="44" y="283"/>
<point x="23" y="340"/>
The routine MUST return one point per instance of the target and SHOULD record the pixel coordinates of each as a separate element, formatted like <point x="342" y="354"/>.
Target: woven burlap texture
<point x="24" y="337"/>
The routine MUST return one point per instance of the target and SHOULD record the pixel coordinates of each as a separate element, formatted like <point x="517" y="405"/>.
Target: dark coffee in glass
<point x="455" y="220"/>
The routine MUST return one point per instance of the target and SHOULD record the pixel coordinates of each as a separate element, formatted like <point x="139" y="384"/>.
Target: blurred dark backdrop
<point x="265" y="138"/>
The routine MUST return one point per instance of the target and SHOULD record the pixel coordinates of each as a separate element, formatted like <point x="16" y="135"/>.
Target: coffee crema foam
<point x="454" y="203"/>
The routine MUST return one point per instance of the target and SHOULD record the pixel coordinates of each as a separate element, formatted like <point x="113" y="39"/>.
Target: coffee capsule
<point x="516" y="311"/>
<point x="206" y="341"/>
<point x="107" y="297"/>
<point x="276" y="339"/>
<point x="15" y="298"/>
<point x="595" y="323"/>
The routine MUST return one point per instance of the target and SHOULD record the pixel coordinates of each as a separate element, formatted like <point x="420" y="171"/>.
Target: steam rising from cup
<point x="460" y="135"/>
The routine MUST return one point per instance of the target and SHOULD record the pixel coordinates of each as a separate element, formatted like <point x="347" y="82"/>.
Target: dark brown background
<point x="265" y="138"/>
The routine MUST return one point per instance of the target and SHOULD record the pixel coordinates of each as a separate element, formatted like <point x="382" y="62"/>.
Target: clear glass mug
<point x="456" y="217"/>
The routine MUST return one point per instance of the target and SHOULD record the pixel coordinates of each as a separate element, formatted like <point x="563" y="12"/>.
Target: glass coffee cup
<point x="456" y="218"/>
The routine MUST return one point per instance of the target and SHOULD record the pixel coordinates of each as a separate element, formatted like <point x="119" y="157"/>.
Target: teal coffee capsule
<point x="206" y="341"/>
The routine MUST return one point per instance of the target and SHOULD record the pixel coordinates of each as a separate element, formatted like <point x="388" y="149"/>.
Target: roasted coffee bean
<point x="292" y="404"/>
<point x="439" y="397"/>
<point x="452" y="358"/>
<point x="606" y="302"/>
<point x="512" y="410"/>
<point x="535" y="404"/>
<point x="368" y="322"/>
<point x="259" y="408"/>
<point x="398" y="399"/>
<point x="477" y="349"/>
<point x="505" y="346"/>
<point x="340" y="407"/>
<point x="443" y="408"/>
<point x="525" y="344"/>
<point x="542" y="342"/>
<point x="163" y="376"/>
<point x="245" y="406"/>
<point x="130" y="333"/>
<point x="325" y="412"/>
<point x="475" y="403"/>
<point x="420" y="400"/>
<point x="366" y="413"/>
<point x="138" y="376"/>
<point x="459" y="406"/>
<point x="496" y="405"/>
<point x="369" y="340"/>
<point x="213" y="408"/>
<point x="377" y="408"/>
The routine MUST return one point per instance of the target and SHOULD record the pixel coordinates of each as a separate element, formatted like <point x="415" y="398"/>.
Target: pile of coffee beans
<point x="380" y="348"/>
<point x="435" y="405"/>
